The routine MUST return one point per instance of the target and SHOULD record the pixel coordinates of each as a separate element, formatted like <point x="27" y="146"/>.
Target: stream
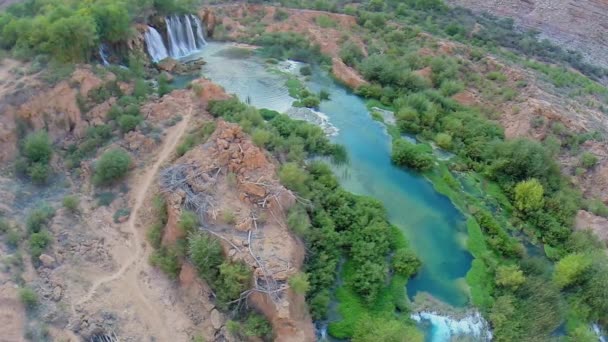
<point x="433" y="225"/>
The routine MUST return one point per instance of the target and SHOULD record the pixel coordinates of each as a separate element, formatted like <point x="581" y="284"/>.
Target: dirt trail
<point x="129" y="270"/>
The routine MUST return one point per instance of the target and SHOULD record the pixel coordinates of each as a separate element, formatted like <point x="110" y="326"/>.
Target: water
<point x="184" y="37"/>
<point x="103" y="54"/>
<point x="428" y="219"/>
<point x="155" y="45"/>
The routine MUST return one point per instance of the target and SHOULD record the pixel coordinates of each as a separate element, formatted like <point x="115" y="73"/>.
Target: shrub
<point x="128" y="122"/>
<point x="206" y="255"/>
<point x="71" y="203"/>
<point x="588" y="160"/>
<point x="405" y="262"/>
<point x="233" y="279"/>
<point x="112" y="166"/>
<point x="188" y="221"/>
<point x="444" y="140"/>
<point x="166" y="259"/>
<point x="155" y="235"/>
<point x="325" y="21"/>
<point x="529" y="195"/>
<point x="38" y="172"/>
<point x="411" y="155"/>
<point x="299" y="283"/>
<point x="4" y="226"/>
<point x="298" y="220"/>
<point x="293" y="177"/>
<point x="570" y="269"/>
<point x="509" y="276"/>
<point x="38" y="243"/>
<point x="29" y="298"/>
<point x="38" y="218"/>
<point x="261" y="137"/>
<point x="37" y="150"/>
<point x="257" y="326"/>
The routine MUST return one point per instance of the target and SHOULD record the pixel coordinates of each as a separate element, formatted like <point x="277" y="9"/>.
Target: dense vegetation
<point x="71" y="31"/>
<point x="335" y="224"/>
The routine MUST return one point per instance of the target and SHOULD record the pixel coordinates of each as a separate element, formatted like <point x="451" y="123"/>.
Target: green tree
<point x="128" y="122"/>
<point x="112" y="165"/>
<point x="529" y="195"/>
<point x="570" y="269"/>
<point x="112" y="21"/>
<point x="405" y="262"/>
<point x="299" y="283"/>
<point x="71" y="39"/>
<point x="38" y="243"/>
<point x="71" y="203"/>
<point x="444" y="140"/>
<point x="510" y="276"/>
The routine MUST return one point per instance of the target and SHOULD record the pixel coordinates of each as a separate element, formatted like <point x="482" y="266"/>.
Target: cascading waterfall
<point x="184" y="36"/>
<point x="156" y="47"/>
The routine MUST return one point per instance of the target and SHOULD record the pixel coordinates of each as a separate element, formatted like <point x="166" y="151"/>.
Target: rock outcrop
<point x="229" y="174"/>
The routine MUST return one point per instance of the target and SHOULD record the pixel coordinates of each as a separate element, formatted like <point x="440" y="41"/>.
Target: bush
<point x="38" y="172"/>
<point x="71" y="203"/>
<point x="444" y="140"/>
<point x="128" y="122"/>
<point x="588" y="160"/>
<point x="257" y="326"/>
<point x="405" y="262"/>
<point x="206" y="255"/>
<point x="299" y="283"/>
<point x="112" y="166"/>
<point x="188" y="222"/>
<point x="411" y="155"/>
<point x="38" y="243"/>
<point x="29" y="298"/>
<point x="38" y="218"/>
<point x="167" y="260"/>
<point x="37" y="148"/>
<point x="293" y="177"/>
<point x="233" y="279"/>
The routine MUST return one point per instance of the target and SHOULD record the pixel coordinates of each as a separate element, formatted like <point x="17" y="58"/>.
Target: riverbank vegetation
<point x="518" y="292"/>
<point x="336" y="225"/>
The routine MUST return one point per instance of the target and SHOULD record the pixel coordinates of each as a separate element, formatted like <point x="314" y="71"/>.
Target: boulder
<point x="47" y="260"/>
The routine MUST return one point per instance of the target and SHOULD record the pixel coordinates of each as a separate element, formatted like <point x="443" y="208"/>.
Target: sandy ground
<point x="136" y="291"/>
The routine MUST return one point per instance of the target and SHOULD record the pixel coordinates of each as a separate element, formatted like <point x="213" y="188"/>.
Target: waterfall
<point x="155" y="45"/>
<point x="103" y="54"/>
<point x="445" y="328"/>
<point x="184" y="36"/>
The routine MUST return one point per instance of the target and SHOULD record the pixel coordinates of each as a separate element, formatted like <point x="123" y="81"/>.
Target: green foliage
<point x="29" y="298"/>
<point x="293" y="177"/>
<point x="405" y="262"/>
<point x="257" y="326"/>
<point x="570" y="269"/>
<point x="382" y="329"/>
<point x="289" y="45"/>
<point x="325" y="21"/>
<point x="529" y="195"/>
<point x="233" y="279"/>
<point x="39" y="218"/>
<point x="112" y="165"/>
<point x="188" y="222"/>
<point x="588" y="160"/>
<point x="351" y="53"/>
<point x="38" y="243"/>
<point x="164" y="86"/>
<point x="510" y="276"/>
<point x="298" y="220"/>
<point x="128" y="123"/>
<point x="206" y="255"/>
<point x="37" y="148"/>
<point x="444" y="140"/>
<point x="299" y="283"/>
<point x="71" y="203"/>
<point x="411" y="155"/>
<point x="167" y="260"/>
<point x="305" y="71"/>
